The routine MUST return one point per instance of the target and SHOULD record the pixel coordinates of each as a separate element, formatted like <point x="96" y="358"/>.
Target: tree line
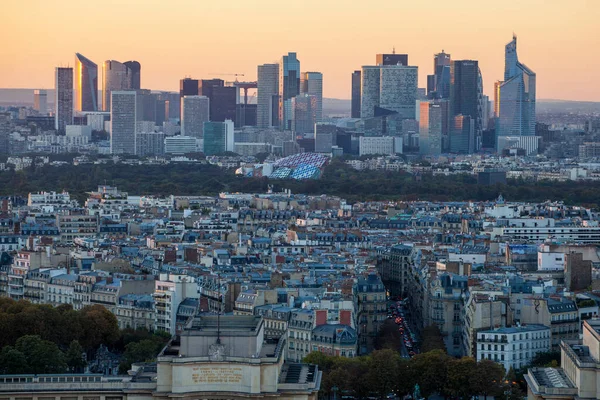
<point x="40" y="338"/>
<point x="338" y="179"/>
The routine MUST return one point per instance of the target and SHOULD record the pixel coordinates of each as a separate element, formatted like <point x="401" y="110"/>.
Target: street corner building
<point x="214" y="357"/>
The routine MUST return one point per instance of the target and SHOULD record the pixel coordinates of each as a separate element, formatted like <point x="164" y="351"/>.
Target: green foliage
<point x="41" y="356"/>
<point x="432" y="339"/>
<point x="12" y="361"/>
<point x="75" y="357"/>
<point x="546" y="359"/>
<point x="389" y="336"/>
<point x="142" y="351"/>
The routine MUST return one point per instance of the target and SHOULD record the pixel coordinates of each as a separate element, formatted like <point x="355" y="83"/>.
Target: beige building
<point x="559" y="314"/>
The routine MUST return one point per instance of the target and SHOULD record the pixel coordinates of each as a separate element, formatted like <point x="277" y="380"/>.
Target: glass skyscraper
<point x="115" y="76"/>
<point x="516" y="97"/>
<point x="289" y="87"/>
<point x="63" y="101"/>
<point x="86" y="84"/>
<point x="267" y="95"/>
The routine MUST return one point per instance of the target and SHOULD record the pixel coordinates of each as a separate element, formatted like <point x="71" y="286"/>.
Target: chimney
<point x="346" y="317"/>
<point x="321" y="317"/>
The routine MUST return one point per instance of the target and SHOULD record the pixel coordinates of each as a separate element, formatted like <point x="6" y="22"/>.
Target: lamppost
<point x="334" y="389"/>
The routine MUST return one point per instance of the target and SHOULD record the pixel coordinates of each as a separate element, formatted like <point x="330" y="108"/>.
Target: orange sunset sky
<point x="558" y="39"/>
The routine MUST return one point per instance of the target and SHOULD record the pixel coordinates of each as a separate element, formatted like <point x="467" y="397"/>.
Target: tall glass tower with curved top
<point x="86" y="84"/>
<point x="516" y="112"/>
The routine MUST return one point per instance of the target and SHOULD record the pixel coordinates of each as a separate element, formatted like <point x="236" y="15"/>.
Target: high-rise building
<point x="40" y="101"/>
<point x="462" y="135"/>
<point x="466" y="93"/>
<point x="123" y="121"/>
<point x="63" y="102"/>
<point x="222" y="99"/>
<point x="188" y="87"/>
<point x="389" y="87"/>
<point x="325" y="137"/>
<point x="497" y="85"/>
<point x="289" y="87"/>
<point x="438" y="84"/>
<point x="304" y="113"/>
<point x="195" y="111"/>
<point x="311" y="83"/>
<point x="516" y="113"/>
<point x="135" y="69"/>
<point x="267" y="114"/>
<point x="149" y="143"/>
<point x="391" y="59"/>
<point x="430" y="128"/>
<point x="86" y="84"/>
<point x="355" y="111"/>
<point x="115" y="76"/>
<point x="218" y="137"/>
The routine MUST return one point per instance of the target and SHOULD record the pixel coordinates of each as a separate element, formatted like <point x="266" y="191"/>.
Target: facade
<point x="430" y="128"/>
<point x="123" y="122"/>
<point x="311" y="84"/>
<point x="529" y="144"/>
<point x="334" y="340"/>
<point x="517" y="95"/>
<point x="466" y="93"/>
<point x="218" y="137"/>
<point x="267" y="96"/>
<point x="514" y="347"/>
<point x="180" y="144"/>
<point x="135" y="73"/>
<point x="372" y="310"/>
<point x="391" y="59"/>
<point x="560" y="315"/>
<point x="195" y="111"/>
<point x="377" y="145"/>
<point x="222" y="99"/>
<point x="356" y="79"/>
<point x="391" y="87"/>
<point x="63" y="101"/>
<point x="300" y="326"/>
<point x="149" y="143"/>
<point x="304" y="113"/>
<point x="438" y="84"/>
<point x="289" y="87"/>
<point x="115" y="76"/>
<point x="445" y="304"/>
<point x="462" y="135"/>
<point x="325" y="137"/>
<point x="40" y="101"/>
<point x="75" y="225"/>
<point x="86" y="84"/>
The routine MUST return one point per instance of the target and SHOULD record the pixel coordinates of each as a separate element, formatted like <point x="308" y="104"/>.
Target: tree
<point x="12" y="361"/>
<point x="388" y="336"/>
<point x="142" y="351"/>
<point x="488" y="378"/>
<point x="432" y="339"/>
<point x="99" y="327"/>
<point x="75" y="357"/>
<point x="381" y="375"/>
<point x="431" y="371"/>
<point x="459" y="377"/>
<point x="43" y="356"/>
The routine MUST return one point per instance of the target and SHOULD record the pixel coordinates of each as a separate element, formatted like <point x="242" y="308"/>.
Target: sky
<point x="558" y="39"/>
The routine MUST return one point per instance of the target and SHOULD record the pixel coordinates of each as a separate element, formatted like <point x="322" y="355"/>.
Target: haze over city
<point x="204" y="40"/>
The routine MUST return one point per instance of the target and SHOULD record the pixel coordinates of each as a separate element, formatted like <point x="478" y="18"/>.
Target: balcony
<point x="492" y="340"/>
<point x="565" y="321"/>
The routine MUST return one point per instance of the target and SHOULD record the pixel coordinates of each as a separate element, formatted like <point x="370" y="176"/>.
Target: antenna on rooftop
<point x="394" y="50"/>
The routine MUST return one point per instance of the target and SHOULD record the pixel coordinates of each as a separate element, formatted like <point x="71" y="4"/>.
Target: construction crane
<point x="218" y="74"/>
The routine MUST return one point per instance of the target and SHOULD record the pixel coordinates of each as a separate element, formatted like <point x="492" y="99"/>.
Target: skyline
<point x="171" y="44"/>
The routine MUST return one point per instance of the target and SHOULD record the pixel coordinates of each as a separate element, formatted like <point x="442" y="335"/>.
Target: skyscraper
<point x="311" y="83"/>
<point x="516" y="97"/>
<point x="187" y="87"/>
<point x="462" y="135"/>
<point x="304" y="113"/>
<point x="391" y="59"/>
<point x="86" y="84"/>
<point x="389" y="87"/>
<point x="40" y="101"/>
<point x="195" y="111"/>
<point x="267" y="114"/>
<point x="466" y="93"/>
<point x="222" y="99"/>
<point x="289" y="86"/>
<point x="123" y="122"/>
<point x="355" y="111"/>
<point x="438" y="84"/>
<point x="430" y="128"/>
<point x="135" y="69"/>
<point x="115" y="76"/>
<point x="63" y="102"/>
<point x="325" y="137"/>
<point x="218" y="137"/>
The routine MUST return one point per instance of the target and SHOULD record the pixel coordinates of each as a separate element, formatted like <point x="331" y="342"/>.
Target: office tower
<point x="267" y="96"/>
<point x="311" y="83"/>
<point x="517" y="96"/>
<point x="162" y="111"/>
<point x="466" y="92"/>
<point x="325" y="137"/>
<point x="135" y="74"/>
<point x="438" y="84"/>
<point x="146" y="105"/>
<point x="222" y="99"/>
<point x="430" y="128"/>
<point x="188" y="87"/>
<point x="497" y="85"/>
<point x="115" y="76"/>
<point x="195" y="111"/>
<point x="485" y="112"/>
<point x="462" y="135"/>
<point x="218" y="137"/>
<point x="304" y="113"/>
<point x="391" y="59"/>
<point x="40" y="101"/>
<point x="63" y="102"/>
<point x="123" y="121"/>
<point x="86" y="84"/>
<point x="172" y="104"/>
<point x="149" y="143"/>
<point x="389" y="87"/>
<point x="355" y="111"/>
<point x="289" y="87"/>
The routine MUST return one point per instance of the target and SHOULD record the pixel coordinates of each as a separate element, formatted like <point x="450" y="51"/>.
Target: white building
<point x="123" y="122"/>
<point x="572" y="234"/>
<point x="551" y="261"/>
<point x="96" y="120"/>
<point x="376" y="145"/>
<point x="528" y="143"/>
<point x="513" y="347"/>
<point x="194" y="113"/>
<point x="180" y="145"/>
<point x="48" y="198"/>
<point x="169" y="292"/>
<point x="78" y="131"/>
